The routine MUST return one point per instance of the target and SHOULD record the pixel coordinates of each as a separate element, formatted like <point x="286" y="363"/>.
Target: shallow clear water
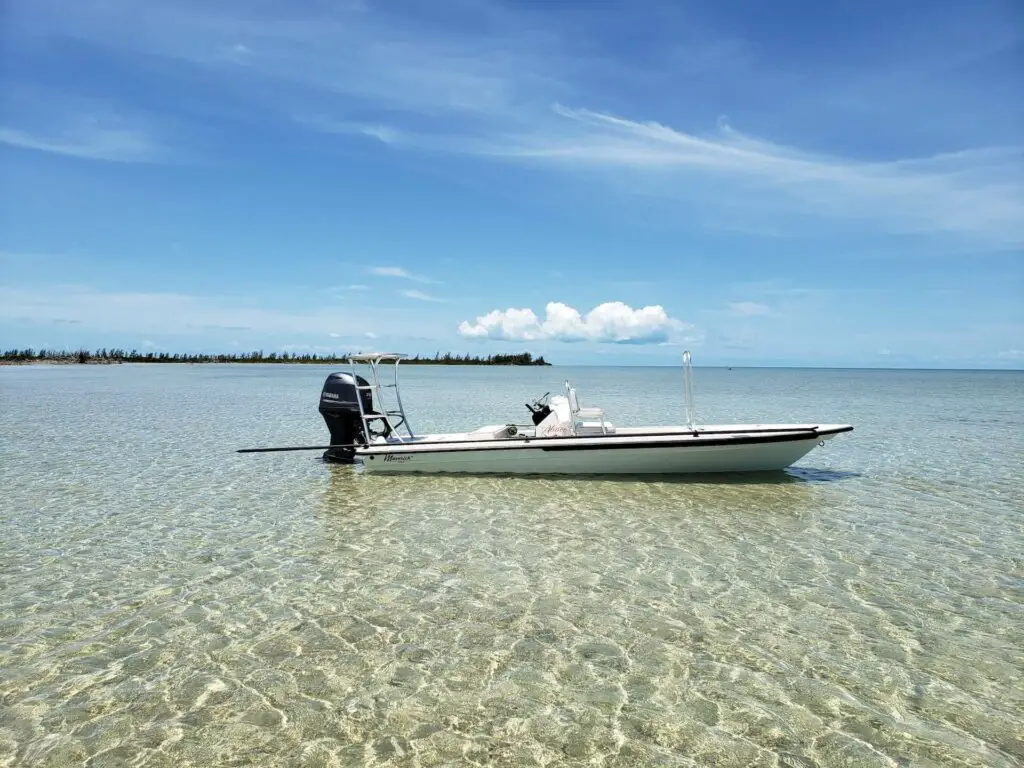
<point x="167" y="601"/>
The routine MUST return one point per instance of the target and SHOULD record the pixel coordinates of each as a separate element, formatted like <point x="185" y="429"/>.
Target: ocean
<point x="166" y="601"/>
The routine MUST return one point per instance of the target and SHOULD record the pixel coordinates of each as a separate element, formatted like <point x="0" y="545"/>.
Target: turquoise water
<point x="167" y="601"/>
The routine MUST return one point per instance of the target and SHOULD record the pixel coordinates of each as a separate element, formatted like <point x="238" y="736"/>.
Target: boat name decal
<point x="393" y="457"/>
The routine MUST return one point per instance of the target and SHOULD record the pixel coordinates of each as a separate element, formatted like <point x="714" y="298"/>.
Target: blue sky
<point x="762" y="183"/>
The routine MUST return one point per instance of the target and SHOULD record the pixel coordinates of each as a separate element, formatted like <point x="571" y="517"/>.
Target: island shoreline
<point x="117" y="357"/>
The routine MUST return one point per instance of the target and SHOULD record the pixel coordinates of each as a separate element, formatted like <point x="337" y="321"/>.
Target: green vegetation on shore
<point x="84" y="356"/>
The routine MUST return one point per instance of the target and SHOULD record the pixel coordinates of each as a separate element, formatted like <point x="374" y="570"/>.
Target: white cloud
<point x="370" y="335"/>
<point x="400" y="273"/>
<point x="749" y="308"/>
<point x="289" y="57"/>
<point x="972" y="192"/>
<point x="977" y="193"/>
<point x="383" y="133"/>
<point x="380" y="132"/>
<point x="1012" y="354"/>
<point x="612" y="322"/>
<point x="237" y="53"/>
<point x="488" y="94"/>
<point x="334" y="335"/>
<point x="356" y="287"/>
<point x="419" y="295"/>
<point x="91" y="139"/>
<point x="390" y="272"/>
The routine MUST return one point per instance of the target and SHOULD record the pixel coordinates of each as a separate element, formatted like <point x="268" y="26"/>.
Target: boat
<point x="562" y="438"/>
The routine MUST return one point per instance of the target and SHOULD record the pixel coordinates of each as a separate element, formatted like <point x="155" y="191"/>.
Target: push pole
<point x="688" y="389"/>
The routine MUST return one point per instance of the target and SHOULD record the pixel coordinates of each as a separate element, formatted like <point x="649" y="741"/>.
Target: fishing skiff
<point x="563" y="438"/>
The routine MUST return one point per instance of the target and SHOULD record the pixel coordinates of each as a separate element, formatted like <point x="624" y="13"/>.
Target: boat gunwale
<point x="608" y="442"/>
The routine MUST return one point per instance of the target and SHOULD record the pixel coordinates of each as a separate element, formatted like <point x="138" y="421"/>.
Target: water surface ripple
<point x="165" y="601"/>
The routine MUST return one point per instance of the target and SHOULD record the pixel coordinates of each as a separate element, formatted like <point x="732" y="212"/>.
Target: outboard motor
<point x="340" y="409"/>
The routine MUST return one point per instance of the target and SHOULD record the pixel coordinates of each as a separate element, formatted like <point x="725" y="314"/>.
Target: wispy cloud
<point x="351" y="50"/>
<point x="236" y="53"/>
<point x="749" y="308"/>
<point x="420" y="296"/>
<point x="165" y="312"/>
<point x="380" y="132"/>
<point x="91" y="139"/>
<point x="973" y="192"/>
<point x="390" y="272"/>
<point x="612" y="322"/>
<point x="383" y="133"/>
<point x="399" y="272"/>
<point x="484" y="84"/>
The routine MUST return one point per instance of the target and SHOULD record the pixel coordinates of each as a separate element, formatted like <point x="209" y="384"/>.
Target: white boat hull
<point x="618" y="454"/>
<point x="565" y="438"/>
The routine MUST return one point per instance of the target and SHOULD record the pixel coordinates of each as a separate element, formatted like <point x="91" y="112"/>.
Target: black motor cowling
<point x="340" y="409"/>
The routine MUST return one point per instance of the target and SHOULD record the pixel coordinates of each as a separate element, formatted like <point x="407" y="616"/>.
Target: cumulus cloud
<point x="612" y="322"/>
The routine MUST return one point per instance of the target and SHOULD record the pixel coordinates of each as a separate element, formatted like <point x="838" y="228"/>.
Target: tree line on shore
<point x="105" y="355"/>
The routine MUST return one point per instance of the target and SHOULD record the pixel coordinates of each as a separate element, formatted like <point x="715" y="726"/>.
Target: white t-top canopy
<point x="377" y="357"/>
